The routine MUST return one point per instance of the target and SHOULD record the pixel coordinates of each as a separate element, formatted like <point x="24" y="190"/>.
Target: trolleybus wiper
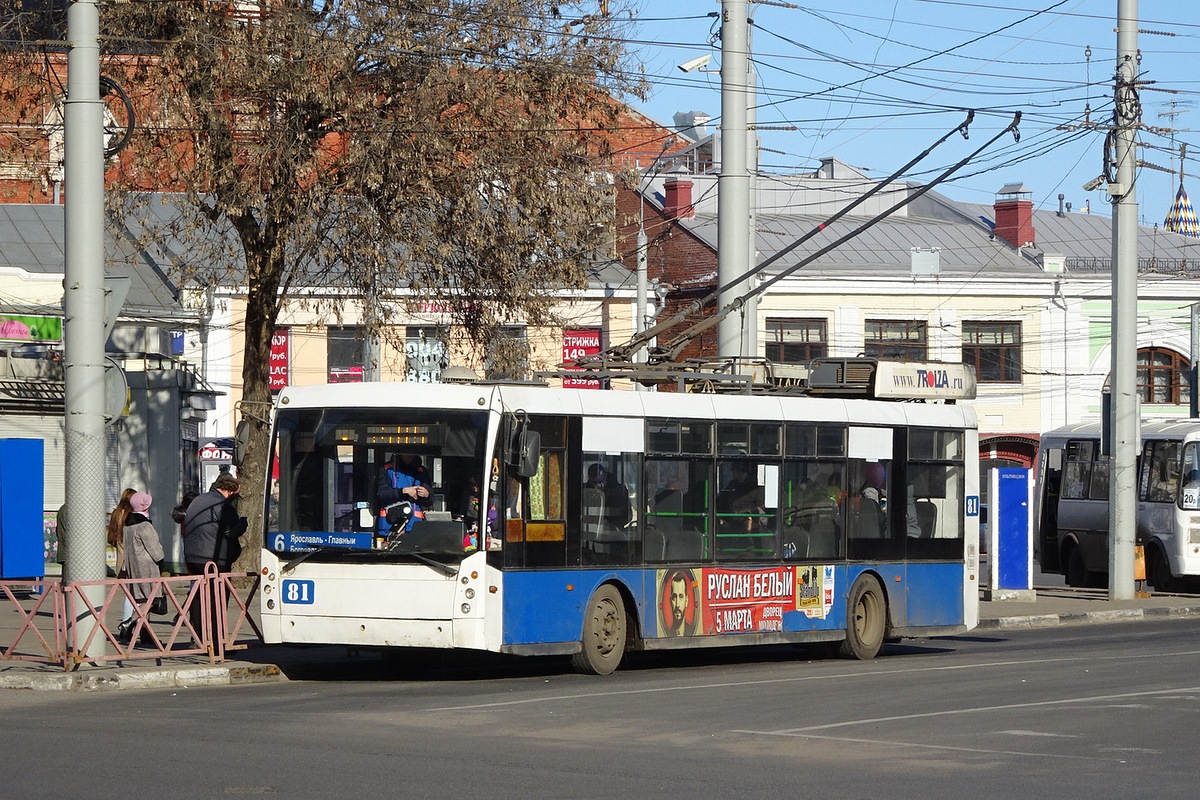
<point x="445" y="569"/>
<point x="300" y="559"/>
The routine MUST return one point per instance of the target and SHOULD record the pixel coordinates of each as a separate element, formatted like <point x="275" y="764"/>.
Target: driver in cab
<point x="402" y="493"/>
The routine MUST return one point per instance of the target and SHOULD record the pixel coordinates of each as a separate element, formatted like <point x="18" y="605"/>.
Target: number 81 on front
<point x="298" y="592"/>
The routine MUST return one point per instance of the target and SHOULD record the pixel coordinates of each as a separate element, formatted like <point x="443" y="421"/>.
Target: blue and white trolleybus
<point x="595" y="523"/>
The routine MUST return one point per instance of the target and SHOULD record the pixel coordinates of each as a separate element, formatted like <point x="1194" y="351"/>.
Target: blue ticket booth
<point x="22" y="544"/>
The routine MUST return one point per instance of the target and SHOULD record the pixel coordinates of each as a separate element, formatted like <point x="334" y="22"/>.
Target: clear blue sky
<point x="874" y="82"/>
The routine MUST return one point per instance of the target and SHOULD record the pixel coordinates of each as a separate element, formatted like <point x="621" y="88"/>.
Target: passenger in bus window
<point x="868" y="511"/>
<point x="616" y="511"/>
<point x="912" y="522"/>
<point x="403" y="480"/>
<point x="743" y="495"/>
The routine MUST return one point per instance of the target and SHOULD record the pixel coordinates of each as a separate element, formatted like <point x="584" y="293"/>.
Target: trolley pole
<point x="84" y="311"/>
<point x="1123" y="499"/>
<point x="733" y="182"/>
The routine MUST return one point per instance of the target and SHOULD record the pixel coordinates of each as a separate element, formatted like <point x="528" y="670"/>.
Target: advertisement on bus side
<point x="717" y="601"/>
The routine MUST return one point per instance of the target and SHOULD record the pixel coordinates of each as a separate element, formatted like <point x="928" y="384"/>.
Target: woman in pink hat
<point x="143" y="559"/>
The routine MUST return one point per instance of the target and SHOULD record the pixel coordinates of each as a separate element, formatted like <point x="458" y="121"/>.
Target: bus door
<point x="1051" y="484"/>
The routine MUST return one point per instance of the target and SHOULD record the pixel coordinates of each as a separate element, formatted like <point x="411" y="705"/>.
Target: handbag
<point x="233" y="549"/>
<point x="159" y="605"/>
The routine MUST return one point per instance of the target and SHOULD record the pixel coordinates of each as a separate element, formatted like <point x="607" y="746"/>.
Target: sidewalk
<point x="259" y="663"/>
<point x="1061" y="606"/>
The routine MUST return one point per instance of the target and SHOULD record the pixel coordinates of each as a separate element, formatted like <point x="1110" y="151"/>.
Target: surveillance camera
<point x="1094" y="183"/>
<point x="696" y="63"/>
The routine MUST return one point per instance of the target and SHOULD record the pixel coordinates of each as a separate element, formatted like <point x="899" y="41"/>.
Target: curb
<point x="1086" y="617"/>
<point x="172" y="678"/>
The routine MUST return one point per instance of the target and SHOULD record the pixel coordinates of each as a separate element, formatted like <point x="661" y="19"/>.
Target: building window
<point x="994" y="349"/>
<point x="507" y="355"/>
<point x="346" y="347"/>
<point x="1163" y="376"/>
<point x="796" y="341"/>
<point x="905" y="340"/>
<point x="426" y="354"/>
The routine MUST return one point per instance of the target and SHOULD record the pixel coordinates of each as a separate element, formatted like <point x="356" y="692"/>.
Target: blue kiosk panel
<point x="21" y="496"/>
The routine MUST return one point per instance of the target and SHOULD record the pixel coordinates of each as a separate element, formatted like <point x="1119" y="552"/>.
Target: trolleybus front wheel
<point x="866" y="620"/>
<point x="604" y="633"/>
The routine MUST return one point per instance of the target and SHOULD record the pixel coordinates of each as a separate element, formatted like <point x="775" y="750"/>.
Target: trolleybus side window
<point x="813" y="500"/>
<point x="678" y="490"/>
<point x="935" y="475"/>
<point x="608" y="509"/>
<point x="747" y="502"/>
<point x="871" y="532"/>
<point x="537" y="535"/>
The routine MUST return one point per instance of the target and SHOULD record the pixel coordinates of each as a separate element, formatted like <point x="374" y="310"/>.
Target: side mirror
<point x="241" y="441"/>
<point x="528" y="452"/>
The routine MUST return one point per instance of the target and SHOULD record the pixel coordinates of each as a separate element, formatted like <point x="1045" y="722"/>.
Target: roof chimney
<point x="678" y="198"/>
<point x="692" y="124"/>
<point x="1014" y="215"/>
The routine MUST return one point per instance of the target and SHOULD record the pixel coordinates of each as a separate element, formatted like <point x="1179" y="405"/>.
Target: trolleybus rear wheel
<point x="866" y="620"/>
<point x="603" y="633"/>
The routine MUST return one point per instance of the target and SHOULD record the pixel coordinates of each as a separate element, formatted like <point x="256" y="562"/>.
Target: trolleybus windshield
<point x="344" y="479"/>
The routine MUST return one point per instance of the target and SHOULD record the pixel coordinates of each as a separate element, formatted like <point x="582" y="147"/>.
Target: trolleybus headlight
<point x="271" y="576"/>
<point x="270" y="604"/>
<point x="470" y="593"/>
<point x="267" y="589"/>
<point x="466" y="608"/>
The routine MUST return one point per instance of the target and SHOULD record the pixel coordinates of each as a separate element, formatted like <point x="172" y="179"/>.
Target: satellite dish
<point x="116" y="392"/>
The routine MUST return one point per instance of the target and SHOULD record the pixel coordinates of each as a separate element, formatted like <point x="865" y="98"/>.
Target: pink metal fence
<point x="51" y="622"/>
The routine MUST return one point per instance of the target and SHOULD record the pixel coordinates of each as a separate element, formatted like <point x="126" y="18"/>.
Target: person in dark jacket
<point x="211" y="528"/>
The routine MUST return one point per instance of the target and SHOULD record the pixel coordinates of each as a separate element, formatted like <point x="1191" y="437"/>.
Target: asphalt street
<point x="1081" y="711"/>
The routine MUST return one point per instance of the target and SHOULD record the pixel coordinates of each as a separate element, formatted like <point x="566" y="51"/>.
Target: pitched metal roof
<point x="32" y="238"/>
<point x="964" y="234"/>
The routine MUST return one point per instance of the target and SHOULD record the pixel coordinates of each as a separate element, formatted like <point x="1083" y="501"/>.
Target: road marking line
<point x="982" y="710"/>
<point x="804" y="678"/>
<point x="978" y="750"/>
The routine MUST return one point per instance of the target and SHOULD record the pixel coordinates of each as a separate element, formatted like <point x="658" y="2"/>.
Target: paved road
<point x="1098" y="710"/>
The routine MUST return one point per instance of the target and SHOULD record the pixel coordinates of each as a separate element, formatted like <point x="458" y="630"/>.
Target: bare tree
<point x="393" y="149"/>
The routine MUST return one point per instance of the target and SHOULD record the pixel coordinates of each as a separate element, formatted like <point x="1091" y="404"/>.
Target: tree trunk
<point x="262" y="311"/>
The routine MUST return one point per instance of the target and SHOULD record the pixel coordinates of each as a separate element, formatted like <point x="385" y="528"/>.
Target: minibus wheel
<point x="866" y="620"/>
<point x="1159" y="570"/>
<point x="604" y="633"/>
<point x="1076" y="572"/>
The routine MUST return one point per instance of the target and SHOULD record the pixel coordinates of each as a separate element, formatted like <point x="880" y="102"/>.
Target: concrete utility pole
<point x="733" y="182"/>
<point x="1125" y="427"/>
<point x="750" y="310"/>
<point x="83" y="307"/>
<point x="1194" y="370"/>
